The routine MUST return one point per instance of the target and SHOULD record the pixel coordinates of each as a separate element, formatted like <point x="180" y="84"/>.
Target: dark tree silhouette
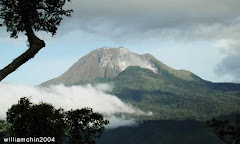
<point x="3" y="129"/>
<point x="228" y="132"/>
<point x="84" y="126"/>
<point x="36" y="120"/>
<point x="40" y="120"/>
<point x="28" y="16"/>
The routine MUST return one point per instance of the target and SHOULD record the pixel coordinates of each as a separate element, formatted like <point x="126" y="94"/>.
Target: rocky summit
<point x="107" y="63"/>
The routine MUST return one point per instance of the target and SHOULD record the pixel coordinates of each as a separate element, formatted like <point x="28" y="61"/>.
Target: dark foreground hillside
<point x="161" y="132"/>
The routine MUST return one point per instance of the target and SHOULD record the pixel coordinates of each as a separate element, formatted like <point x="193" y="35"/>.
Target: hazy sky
<point x="201" y="36"/>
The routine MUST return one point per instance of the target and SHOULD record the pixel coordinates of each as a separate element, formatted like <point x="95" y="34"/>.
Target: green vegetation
<point x="84" y="126"/>
<point x="168" y="93"/>
<point x="171" y="97"/>
<point x="181" y="74"/>
<point x="4" y="126"/>
<point x="34" y="120"/>
<point x="43" y="120"/>
<point x="173" y="94"/>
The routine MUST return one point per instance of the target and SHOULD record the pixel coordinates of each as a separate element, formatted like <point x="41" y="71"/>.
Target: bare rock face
<point x="104" y="63"/>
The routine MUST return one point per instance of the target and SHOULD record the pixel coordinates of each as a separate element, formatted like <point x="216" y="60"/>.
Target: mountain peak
<point x="123" y="49"/>
<point x="107" y="63"/>
<point x="108" y="48"/>
<point x="111" y="49"/>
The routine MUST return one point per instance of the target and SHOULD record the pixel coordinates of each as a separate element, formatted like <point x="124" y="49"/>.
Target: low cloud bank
<point x="73" y="97"/>
<point x="116" y="122"/>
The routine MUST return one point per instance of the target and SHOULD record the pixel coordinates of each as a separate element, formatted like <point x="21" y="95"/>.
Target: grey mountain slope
<point x="106" y="63"/>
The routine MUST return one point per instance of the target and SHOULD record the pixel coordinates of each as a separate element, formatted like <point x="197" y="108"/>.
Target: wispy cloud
<point x="119" y="122"/>
<point x="229" y="66"/>
<point x="69" y="98"/>
<point x="138" y="18"/>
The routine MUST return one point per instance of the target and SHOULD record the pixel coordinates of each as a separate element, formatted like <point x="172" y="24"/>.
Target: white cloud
<point x="119" y="122"/>
<point x="138" y="18"/>
<point x="228" y="46"/>
<point x="104" y="87"/>
<point x="67" y="98"/>
<point x="229" y="67"/>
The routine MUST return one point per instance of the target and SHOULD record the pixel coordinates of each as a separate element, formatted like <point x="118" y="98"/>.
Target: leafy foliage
<point x="4" y="126"/>
<point x="84" y="126"/>
<point x="35" y="120"/>
<point x="41" y="15"/>
<point x="27" y="16"/>
<point x="228" y="132"/>
<point x="32" y="120"/>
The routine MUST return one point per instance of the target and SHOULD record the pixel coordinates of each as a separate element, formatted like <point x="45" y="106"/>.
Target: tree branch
<point x="36" y="45"/>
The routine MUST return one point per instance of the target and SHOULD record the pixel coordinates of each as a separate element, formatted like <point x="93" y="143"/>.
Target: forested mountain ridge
<point x="150" y="85"/>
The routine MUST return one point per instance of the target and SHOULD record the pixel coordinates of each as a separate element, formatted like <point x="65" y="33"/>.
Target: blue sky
<point x="182" y="36"/>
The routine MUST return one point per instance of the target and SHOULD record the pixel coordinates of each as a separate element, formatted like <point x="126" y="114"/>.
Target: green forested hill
<point x="173" y="96"/>
<point x="150" y="85"/>
<point x="170" y="97"/>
